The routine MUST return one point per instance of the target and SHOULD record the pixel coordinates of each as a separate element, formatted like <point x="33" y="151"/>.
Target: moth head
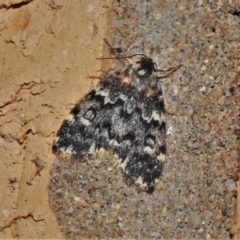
<point x="145" y="67"/>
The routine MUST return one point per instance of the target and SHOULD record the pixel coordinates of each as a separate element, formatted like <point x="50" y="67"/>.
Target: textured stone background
<point x="48" y="49"/>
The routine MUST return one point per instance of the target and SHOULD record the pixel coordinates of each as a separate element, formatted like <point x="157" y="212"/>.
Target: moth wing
<point x="88" y="128"/>
<point x="140" y="143"/>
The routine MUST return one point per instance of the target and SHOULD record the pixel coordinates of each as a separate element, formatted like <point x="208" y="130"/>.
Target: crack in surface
<point x="30" y="215"/>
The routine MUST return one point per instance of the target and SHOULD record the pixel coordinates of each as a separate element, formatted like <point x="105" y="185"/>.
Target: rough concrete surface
<point x="48" y="50"/>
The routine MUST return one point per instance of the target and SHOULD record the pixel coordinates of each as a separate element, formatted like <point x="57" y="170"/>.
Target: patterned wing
<point x="140" y="136"/>
<point x="89" y="127"/>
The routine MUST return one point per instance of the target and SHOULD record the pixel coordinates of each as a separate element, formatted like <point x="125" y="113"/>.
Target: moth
<point x="124" y="113"/>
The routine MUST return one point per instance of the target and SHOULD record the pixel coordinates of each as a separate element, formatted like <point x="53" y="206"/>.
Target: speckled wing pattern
<point x="125" y="113"/>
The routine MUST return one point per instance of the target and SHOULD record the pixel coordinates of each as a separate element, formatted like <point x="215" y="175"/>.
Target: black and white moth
<point x="125" y="113"/>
